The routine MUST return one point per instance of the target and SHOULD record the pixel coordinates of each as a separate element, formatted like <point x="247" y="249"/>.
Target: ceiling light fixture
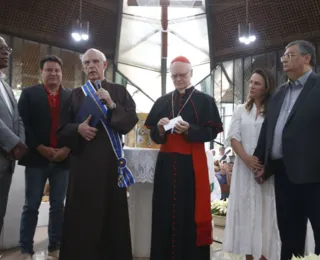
<point x="246" y="34"/>
<point x="80" y="29"/>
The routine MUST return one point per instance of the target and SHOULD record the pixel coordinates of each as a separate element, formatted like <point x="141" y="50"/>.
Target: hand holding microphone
<point x="104" y="95"/>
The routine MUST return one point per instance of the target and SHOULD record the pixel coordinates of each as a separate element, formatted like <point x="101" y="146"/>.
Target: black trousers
<point x="5" y="183"/>
<point x="296" y="203"/>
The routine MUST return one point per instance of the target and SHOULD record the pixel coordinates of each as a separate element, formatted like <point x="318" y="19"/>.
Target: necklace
<point x="172" y="103"/>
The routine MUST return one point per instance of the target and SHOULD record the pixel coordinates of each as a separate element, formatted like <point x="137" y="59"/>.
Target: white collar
<point x="183" y="90"/>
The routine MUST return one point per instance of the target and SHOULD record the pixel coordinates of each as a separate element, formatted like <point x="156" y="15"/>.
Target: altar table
<point x="142" y="163"/>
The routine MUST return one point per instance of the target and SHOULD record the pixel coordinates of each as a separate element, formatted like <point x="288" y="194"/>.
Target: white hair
<point x="2" y="39"/>
<point x="100" y="53"/>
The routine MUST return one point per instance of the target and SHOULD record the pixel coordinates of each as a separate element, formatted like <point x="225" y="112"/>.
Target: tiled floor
<point x="41" y="244"/>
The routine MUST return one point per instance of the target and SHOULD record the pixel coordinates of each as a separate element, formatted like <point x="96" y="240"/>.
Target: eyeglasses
<point x="288" y="56"/>
<point x="5" y="48"/>
<point x="181" y="75"/>
<point x="86" y="63"/>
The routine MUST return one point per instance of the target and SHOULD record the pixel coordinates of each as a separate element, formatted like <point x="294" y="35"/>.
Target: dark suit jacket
<point x="34" y="110"/>
<point x="300" y="137"/>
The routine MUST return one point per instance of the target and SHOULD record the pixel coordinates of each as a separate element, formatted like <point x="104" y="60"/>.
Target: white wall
<point x="10" y="233"/>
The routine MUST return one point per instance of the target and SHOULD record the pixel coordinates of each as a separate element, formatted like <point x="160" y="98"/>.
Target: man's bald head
<point x="94" y="64"/>
<point x="92" y="50"/>
<point x="4" y="54"/>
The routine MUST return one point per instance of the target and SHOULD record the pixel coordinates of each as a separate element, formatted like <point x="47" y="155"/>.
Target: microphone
<point x="97" y="84"/>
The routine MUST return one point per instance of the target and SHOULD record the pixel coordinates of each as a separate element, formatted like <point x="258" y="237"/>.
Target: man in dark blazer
<point x="12" y="134"/>
<point x="288" y="147"/>
<point x="40" y="107"/>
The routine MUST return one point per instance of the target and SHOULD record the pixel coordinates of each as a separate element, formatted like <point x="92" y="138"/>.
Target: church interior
<point x="225" y="40"/>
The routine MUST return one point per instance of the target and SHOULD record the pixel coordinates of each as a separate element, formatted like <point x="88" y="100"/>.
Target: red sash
<point x="177" y="144"/>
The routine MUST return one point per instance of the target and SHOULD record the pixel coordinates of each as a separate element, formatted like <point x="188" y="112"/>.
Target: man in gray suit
<point x="12" y="135"/>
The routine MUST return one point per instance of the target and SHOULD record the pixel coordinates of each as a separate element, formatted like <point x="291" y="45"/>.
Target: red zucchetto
<point x="180" y="59"/>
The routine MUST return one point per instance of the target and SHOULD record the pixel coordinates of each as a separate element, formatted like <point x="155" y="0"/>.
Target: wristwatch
<point x="113" y="106"/>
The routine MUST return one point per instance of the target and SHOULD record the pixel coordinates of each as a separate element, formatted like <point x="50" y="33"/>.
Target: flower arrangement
<point x="309" y="257"/>
<point x="219" y="207"/>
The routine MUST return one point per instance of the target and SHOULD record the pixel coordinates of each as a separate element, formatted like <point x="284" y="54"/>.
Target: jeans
<point x="35" y="179"/>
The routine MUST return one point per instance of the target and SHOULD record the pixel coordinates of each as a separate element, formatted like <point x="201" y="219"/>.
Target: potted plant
<point x="219" y="212"/>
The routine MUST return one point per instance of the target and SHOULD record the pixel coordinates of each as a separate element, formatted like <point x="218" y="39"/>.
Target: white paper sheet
<point x="172" y="123"/>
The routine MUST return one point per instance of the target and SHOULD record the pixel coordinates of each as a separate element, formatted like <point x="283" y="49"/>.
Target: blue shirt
<point x="292" y="93"/>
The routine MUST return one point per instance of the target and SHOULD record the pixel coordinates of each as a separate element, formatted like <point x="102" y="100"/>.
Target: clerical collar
<point x="185" y="90"/>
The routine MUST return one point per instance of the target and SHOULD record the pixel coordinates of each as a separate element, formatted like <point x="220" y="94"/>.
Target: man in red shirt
<point x="40" y="107"/>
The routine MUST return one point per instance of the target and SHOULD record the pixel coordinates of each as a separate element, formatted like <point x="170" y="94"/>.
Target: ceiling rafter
<point x="50" y="22"/>
<point x="276" y="23"/>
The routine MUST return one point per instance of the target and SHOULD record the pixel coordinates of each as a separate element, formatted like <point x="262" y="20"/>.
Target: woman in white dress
<point x="251" y="225"/>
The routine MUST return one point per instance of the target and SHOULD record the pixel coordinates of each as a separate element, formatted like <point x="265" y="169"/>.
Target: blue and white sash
<point x="125" y="177"/>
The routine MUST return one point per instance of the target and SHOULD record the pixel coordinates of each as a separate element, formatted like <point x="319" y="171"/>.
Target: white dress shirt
<point x="4" y="93"/>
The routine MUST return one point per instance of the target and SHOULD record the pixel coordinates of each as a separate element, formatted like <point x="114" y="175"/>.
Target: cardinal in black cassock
<point x="96" y="223"/>
<point x="181" y="208"/>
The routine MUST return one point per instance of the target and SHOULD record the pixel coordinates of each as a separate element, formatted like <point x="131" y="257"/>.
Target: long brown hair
<point x="269" y="83"/>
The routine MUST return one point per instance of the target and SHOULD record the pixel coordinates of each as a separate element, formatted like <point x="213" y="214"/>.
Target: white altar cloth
<point x="142" y="163"/>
